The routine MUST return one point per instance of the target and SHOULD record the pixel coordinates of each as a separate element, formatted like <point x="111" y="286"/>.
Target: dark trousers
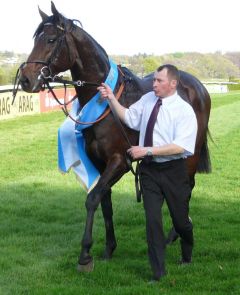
<point x="167" y="181"/>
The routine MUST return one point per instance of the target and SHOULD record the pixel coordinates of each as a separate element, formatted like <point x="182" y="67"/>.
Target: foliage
<point x="43" y="214"/>
<point x="9" y="63"/>
<point x="232" y="87"/>
<point x="204" y="66"/>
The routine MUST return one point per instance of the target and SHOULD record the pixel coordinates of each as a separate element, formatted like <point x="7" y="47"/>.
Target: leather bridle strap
<point x="119" y="93"/>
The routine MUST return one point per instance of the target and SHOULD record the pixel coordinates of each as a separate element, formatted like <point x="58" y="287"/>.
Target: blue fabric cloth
<point x="71" y="143"/>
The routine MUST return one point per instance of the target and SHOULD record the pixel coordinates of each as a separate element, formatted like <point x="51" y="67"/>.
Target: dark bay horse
<point x="60" y="45"/>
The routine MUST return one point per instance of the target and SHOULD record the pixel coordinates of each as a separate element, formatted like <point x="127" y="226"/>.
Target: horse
<point x="61" y="44"/>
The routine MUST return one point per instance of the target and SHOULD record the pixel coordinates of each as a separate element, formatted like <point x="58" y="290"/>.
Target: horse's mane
<point x="143" y="84"/>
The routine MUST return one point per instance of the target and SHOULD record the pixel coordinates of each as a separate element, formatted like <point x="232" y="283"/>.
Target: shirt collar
<point x="169" y="99"/>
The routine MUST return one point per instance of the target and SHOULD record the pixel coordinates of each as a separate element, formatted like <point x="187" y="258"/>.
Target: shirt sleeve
<point x="186" y="132"/>
<point x="133" y="115"/>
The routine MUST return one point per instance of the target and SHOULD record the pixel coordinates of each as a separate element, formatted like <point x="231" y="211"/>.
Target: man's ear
<point x="174" y="83"/>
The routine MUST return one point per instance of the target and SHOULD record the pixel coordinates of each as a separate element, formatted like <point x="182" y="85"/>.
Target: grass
<point x="42" y="217"/>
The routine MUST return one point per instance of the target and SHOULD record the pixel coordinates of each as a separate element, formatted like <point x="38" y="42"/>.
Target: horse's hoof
<point x="106" y="256"/>
<point x="108" y="253"/>
<point x="86" y="267"/>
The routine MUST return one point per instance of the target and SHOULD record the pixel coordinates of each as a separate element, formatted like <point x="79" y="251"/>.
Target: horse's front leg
<point x="111" y="244"/>
<point x="115" y="168"/>
<point x="92" y="202"/>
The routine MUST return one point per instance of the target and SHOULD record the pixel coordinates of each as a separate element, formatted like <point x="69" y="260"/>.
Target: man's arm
<point x="138" y="152"/>
<point x="106" y="93"/>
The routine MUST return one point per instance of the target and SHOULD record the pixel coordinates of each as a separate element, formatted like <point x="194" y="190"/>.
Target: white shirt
<point x="176" y="123"/>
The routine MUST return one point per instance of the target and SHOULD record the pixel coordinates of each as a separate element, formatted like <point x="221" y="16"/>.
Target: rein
<point x="82" y="84"/>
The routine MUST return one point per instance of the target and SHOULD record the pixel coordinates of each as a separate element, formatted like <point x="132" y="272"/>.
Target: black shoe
<point x="159" y="276"/>
<point x="186" y="252"/>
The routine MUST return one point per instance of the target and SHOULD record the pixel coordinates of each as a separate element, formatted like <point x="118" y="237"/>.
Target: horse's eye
<point x="50" y="41"/>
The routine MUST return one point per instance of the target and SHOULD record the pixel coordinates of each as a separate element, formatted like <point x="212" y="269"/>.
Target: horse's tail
<point x="204" y="163"/>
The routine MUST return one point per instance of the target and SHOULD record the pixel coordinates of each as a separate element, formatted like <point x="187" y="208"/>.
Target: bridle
<point x="45" y="72"/>
<point x="46" y="78"/>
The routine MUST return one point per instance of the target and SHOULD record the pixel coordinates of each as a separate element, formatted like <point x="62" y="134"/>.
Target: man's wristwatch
<point x="149" y="152"/>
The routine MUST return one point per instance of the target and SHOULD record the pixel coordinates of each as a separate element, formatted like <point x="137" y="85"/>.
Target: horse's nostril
<point x="24" y="80"/>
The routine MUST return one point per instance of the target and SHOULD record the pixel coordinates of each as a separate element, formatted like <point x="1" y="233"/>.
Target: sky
<point x="132" y="26"/>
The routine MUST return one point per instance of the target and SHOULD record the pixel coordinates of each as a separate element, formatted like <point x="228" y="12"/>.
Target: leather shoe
<point x="157" y="278"/>
<point x="186" y="250"/>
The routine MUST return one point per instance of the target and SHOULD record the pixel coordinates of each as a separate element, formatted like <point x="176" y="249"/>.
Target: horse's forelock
<point x="39" y="29"/>
<point x="53" y="20"/>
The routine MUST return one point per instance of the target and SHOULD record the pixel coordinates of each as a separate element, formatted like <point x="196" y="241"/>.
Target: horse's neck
<point x="92" y="61"/>
<point x="91" y="64"/>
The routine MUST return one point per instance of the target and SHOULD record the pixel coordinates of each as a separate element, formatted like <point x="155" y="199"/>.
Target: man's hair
<point x="172" y="71"/>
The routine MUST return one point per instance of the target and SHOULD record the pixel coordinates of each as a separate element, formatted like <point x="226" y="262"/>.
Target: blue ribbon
<point x="89" y="113"/>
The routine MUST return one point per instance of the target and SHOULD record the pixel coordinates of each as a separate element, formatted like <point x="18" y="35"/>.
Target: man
<point x="164" y="151"/>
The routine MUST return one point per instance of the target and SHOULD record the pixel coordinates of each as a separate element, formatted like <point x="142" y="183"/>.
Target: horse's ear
<point x="54" y="10"/>
<point x="44" y="16"/>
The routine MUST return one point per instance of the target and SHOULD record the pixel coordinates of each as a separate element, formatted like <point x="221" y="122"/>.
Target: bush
<point x="234" y="87"/>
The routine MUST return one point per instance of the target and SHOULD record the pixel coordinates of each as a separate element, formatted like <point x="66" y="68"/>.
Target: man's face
<point x="162" y="86"/>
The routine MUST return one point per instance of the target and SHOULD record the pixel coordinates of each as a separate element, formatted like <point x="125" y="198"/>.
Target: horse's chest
<point x="94" y="142"/>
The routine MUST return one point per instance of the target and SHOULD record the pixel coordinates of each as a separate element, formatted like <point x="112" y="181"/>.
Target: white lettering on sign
<point x="5" y="106"/>
<point x="25" y="104"/>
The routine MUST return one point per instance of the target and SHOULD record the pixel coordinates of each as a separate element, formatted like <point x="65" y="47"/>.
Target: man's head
<point x="165" y="80"/>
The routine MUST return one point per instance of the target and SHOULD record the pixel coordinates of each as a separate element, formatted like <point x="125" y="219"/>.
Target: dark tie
<point x="148" y="140"/>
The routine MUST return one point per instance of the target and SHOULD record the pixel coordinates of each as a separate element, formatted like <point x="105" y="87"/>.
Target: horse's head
<point x="53" y="51"/>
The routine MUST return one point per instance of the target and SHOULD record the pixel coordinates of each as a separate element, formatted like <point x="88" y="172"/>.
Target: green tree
<point x="150" y="64"/>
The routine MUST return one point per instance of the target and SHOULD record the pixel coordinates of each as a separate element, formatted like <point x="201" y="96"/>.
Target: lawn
<point x="42" y="216"/>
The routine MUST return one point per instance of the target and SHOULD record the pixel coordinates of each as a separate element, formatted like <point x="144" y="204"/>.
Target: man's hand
<point x="106" y="91"/>
<point x="137" y="152"/>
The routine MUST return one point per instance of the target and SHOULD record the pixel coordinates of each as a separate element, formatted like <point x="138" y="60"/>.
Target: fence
<point x="30" y="103"/>
<point x="34" y="103"/>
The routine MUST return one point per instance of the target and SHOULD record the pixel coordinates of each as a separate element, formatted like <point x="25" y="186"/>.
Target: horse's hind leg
<point x="111" y="244"/>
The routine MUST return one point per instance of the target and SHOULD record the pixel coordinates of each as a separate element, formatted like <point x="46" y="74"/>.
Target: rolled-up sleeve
<point x="186" y="132"/>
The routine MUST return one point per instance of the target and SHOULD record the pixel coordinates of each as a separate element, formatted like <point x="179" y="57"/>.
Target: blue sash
<point x="71" y="143"/>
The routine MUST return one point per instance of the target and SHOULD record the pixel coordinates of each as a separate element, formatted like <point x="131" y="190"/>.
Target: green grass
<point x="42" y="216"/>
